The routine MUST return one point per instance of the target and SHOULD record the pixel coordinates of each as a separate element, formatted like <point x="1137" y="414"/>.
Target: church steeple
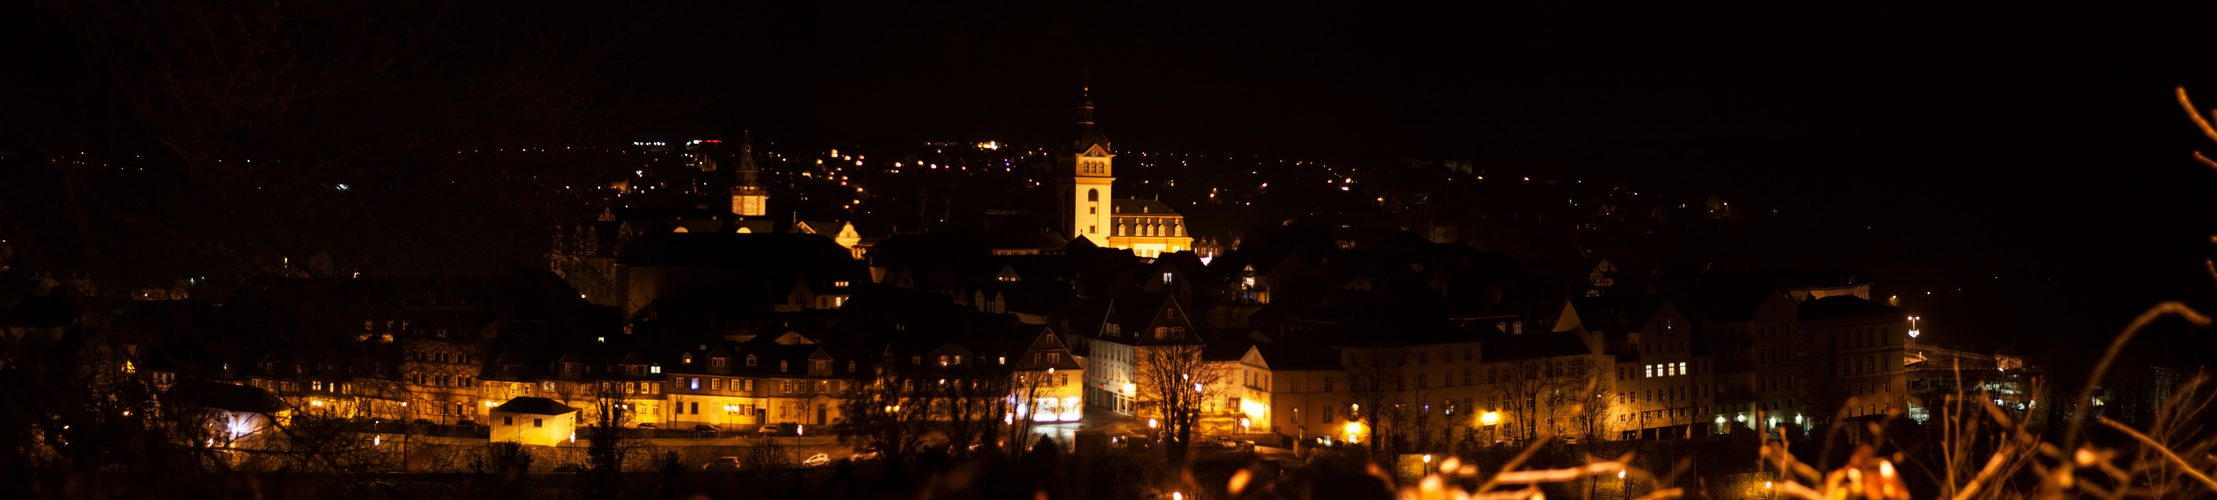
<point x="1085" y="103"/>
<point x="1087" y="136"/>
<point x="748" y="198"/>
<point x="1085" y="177"/>
<point x="747" y="169"/>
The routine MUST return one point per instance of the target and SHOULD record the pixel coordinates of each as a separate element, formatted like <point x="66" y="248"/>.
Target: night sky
<point x="2036" y="153"/>
<point x="2032" y="154"/>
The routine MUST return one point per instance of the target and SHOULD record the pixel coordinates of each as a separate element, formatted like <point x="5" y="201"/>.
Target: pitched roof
<point x="1137" y="206"/>
<point x="1534" y="346"/>
<point x="534" y="406"/>
<point x="1299" y="356"/>
<point x="1618" y="315"/>
<point x="221" y="396"/>
<point x="811" y="254"/>
<point x="1843" y="306"/>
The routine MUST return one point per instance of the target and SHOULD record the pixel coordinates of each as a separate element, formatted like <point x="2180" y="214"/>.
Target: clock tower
<point x="1084" y="179"/>
<point x="748" y="197"/>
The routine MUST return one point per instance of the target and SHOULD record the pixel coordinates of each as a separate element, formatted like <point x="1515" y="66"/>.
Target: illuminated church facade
<point x="1087" y="184"/>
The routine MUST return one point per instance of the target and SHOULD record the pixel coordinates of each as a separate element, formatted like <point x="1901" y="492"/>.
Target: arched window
<point x="1119" y="229"/>
<point x="1092" y="195"/>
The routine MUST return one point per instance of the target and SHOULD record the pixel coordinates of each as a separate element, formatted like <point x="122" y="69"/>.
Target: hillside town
<point x="708" y="316"/>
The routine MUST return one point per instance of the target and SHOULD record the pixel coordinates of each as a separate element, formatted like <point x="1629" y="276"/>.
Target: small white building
<point x="533" y="421"/>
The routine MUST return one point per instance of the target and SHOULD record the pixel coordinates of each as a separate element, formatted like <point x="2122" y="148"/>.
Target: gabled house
<point x="1043" y="376"/>
<point x="1133" y="322"/>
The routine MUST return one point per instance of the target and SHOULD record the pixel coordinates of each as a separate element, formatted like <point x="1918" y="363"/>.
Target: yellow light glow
<point x="1354" y="428"/>
<point x="1490" y="418"/>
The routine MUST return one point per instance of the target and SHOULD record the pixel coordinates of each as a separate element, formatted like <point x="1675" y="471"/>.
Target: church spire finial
<point x="1085" y="100"/>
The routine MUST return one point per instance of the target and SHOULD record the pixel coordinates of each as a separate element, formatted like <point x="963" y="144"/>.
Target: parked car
<point x="722" y="463"/>
<point x="771" y="429"/>
<point x="706" y="428"/>
<point x="646" y="426"/>
<point x="865" y="455"/>
<point x="819" y="460"/>
<point x="423" y="421"/>
<point x="467" y="423"/>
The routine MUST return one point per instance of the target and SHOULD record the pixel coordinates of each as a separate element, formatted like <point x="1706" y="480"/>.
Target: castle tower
<point x="748" y="197"/>
<point x="1085" y="180"/>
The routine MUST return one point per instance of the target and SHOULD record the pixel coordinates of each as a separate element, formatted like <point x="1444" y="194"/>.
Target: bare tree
<point x="606" y="446"/>
<point x="1024" y="386"/>
<point x="971" y="402"/>
<point x="1175" y="386"/>
<point x="1524" y="384"/>
<point x="890" y="412"/>
<point x="1587" y="397"/>
<point x="1375" y="379"/>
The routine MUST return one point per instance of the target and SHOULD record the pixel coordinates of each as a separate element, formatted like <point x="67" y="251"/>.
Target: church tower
<point x="748" y="197"/>
<point x="1085" y="180"/>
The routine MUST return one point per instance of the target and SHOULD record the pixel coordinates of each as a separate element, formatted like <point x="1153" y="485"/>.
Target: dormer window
<point x="750" y="360"/>
<point x="850" y="366"/>
<point x="917" y="359"/>
<point x="1166" y="278"/>
<point x="656" y="369"/>
<point x="784" y="365"/>
<point x="717" y="362"/>
<point x="688" y="358"/>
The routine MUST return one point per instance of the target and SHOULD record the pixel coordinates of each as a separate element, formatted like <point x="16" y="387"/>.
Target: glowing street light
<point x="1489" y="418"/>
<point x="1151" y="423"/>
